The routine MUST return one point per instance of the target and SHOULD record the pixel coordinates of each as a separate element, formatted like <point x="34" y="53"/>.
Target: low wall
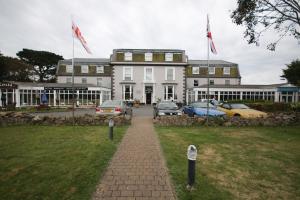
<point x="19" y="118"/>
<point x="273" y="119"/>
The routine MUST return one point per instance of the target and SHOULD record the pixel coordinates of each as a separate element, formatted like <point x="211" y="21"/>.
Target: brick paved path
<point x="137" y="170"/>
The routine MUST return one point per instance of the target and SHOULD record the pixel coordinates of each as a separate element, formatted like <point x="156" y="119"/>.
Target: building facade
<point x="145" y="75"/>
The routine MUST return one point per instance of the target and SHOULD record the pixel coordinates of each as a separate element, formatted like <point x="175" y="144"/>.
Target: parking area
<point x="143" y="111"/>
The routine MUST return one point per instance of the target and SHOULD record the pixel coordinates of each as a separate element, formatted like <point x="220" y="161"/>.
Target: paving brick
<point x="137" y="170"/>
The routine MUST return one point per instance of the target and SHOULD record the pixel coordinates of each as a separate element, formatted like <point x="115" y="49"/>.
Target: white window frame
<point x="169" y="57"/>
<point x="196" y="70"/>
<point x="166" y="92"/>
<point x="69" y="78"/>
<point x="166" y="75"/>
<point x="131" y="73"/>
<point x="226" y="70"/>
<point x="128" y="56"/>
<point x="84" y="69"/>
<point x="83" y="79"/>
<point x="130" y="92"/>
<point x="148" y="57"/>
<point x="211" y="70"/>
<point x="100" y="69"/>
<point x="197" y="83"/>
<point x="152" y="74"/>
<point x="69" y="68"/>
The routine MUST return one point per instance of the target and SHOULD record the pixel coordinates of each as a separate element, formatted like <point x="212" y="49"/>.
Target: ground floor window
<point x="169" y="93"/>
<point x="127" y="92"/>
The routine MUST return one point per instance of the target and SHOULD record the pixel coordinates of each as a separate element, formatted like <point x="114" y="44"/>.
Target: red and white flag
<point x="211" y="43"/>
<point x="77" y="34"/>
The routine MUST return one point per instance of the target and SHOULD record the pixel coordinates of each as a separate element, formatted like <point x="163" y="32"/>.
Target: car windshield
<point x="112" y="103"/>
<point x="202" y="105"/>
<point x="167" y="105"/>
<point x="239" y="106"/>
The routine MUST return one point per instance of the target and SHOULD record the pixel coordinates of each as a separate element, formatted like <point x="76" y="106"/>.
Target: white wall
<point x="158" y="87"/>
<point x="217" y="81"/>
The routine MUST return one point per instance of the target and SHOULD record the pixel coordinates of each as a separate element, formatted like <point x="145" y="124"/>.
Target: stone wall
<point x="19" y="118"/>
<point x="273" y="119"/>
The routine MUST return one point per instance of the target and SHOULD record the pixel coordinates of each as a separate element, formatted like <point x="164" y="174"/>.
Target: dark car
<point x="166" y="108"/>
<point x="114" y="107"/>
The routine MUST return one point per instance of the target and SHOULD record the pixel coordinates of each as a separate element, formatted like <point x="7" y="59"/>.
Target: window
<point x="99" y="81"/>
<point x="127" y="92"/>
<point x="196" y="83"/>
<point x="196" y="70"/>
<point x="227" y="82"/>
<point x="100" y="69"/>
<point x="169" y="57"/>
<point x="170" y="73"/>
<point x="69" y="80"/>
<point x="148" y="56"/>
<point x="226" y="70"/>
<point x="148" y="74"/>
<point x="128" y="56"/>
<point x="69" y="69"/>
<point x="169" y="92"/>
<point x="211" y="82"/>
<point x="83" y="80"/>
<point x="84" y="69"/>
<point x="211" y="70"/>
<point x="127" y="73"/>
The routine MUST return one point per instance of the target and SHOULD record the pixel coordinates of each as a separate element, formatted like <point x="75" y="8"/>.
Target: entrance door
<point x="148" y="91"/>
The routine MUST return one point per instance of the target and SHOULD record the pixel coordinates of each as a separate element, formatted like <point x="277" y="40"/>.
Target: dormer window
<point x="69" y="69"/>
<point x="226" y="70"/>
<point x="84" y="69"/>
<point x="211" y="70"/>
<point x="148" y="57"/>
<point x="196" y="70"/>
<point x="169" y="57"/>
<point x="100" y="69"/>
<point x="128" y="56"/>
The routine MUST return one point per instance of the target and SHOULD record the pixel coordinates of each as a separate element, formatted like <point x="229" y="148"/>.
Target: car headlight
<point x="161" y="113"/>
<point x="179" y="113"/>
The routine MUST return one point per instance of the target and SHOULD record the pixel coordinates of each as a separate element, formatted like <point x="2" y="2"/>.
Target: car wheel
<point x="236" y="115"/>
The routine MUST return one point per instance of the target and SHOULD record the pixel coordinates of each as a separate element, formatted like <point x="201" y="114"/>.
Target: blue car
<point x="200" y="109"/>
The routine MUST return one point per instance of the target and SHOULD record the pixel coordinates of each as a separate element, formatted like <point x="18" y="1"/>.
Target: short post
<point x="111" y="129"/>
<point x="192" y="155"/>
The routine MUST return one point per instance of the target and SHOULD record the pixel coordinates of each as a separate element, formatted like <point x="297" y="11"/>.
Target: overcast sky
<point x="170" y="24"/>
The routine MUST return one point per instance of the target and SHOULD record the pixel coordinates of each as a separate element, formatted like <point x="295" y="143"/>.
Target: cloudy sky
<point x="111" y="24"/>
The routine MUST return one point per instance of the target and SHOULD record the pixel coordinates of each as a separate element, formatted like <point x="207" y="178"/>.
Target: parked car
<point x="240" y="110"/>
<point x="200" y="109"/>
<point x="114" y="107"/>
<point x="166" y="108"/>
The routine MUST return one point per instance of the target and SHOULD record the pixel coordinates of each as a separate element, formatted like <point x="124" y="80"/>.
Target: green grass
<point x="48" y="162"/>
<point x="235" y="163"/>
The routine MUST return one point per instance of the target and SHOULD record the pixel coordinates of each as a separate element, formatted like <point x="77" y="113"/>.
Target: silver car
<point x="114" y="107"/>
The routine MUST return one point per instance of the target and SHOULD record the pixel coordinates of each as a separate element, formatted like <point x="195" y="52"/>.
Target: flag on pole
<point x="77" y="34"/>
<point x="211" y="43"/>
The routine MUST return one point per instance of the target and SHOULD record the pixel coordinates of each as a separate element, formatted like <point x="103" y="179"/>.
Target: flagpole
<point x="207" y="95"/>
<point x="73" y="80"/>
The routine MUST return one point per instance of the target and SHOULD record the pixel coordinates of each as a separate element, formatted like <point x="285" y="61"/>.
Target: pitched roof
<point x="213" y="62"/>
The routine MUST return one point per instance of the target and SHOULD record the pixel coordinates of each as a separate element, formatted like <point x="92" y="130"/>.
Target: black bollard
<point x="191" y="172"/>
<point x="111" y="129"/>
<point x="191" y="154"/>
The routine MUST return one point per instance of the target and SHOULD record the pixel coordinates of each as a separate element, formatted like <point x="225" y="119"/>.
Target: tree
<point x="261" y="15"/>
<point x="44" y="63"/>
<point x="13" y="69"/>
<point x="292" y="73"/>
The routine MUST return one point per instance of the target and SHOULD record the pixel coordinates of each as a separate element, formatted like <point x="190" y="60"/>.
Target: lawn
<point x="235" y="163"/>
<point x="54" y="162"/>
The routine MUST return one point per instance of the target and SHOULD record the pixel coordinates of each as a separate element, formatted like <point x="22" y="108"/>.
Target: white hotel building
<point x="146" y="75"/>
